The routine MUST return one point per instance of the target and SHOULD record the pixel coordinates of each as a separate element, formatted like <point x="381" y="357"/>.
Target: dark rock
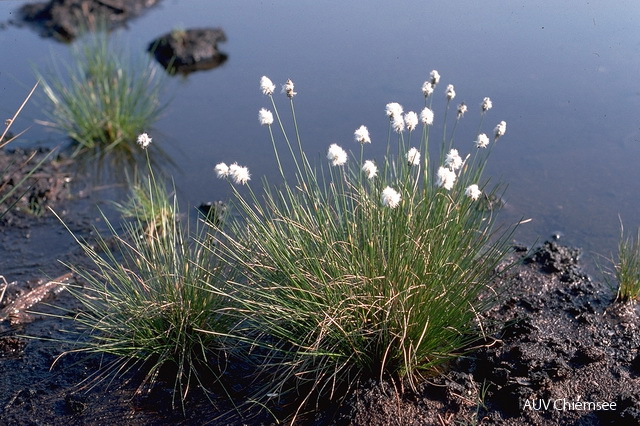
<point x="185" y="51"/>
<point x="66" y="19"/>
<point x="379" y="404"/>
<point x="533" y="304"/>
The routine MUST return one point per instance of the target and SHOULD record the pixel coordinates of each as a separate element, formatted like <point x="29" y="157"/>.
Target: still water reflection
<point x="562" y="74"/>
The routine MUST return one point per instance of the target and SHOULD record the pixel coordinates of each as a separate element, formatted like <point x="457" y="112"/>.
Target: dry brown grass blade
<point x="10" y="121"/>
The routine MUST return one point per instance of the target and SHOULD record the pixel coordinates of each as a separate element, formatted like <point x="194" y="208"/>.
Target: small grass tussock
<point x="151" y="297"/>
<point x="627" y="269"/>
<point x="106" y="96"/>
<point x="151" y="207"/>
<point x="364" y="268"/>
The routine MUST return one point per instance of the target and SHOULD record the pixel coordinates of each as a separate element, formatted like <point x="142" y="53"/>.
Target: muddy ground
<point x="565" y="344"/>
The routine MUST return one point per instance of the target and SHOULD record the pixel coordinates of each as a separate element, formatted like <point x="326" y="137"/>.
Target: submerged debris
<point x="15" y="311"/>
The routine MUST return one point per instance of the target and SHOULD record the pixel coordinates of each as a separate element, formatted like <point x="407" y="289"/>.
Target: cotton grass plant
<point x="150" y="294"/>
<point x="363" y="268"/>
<point x="106" y="96"/>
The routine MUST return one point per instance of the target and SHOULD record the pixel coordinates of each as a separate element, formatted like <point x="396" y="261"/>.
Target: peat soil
<point x="560" y="339"/>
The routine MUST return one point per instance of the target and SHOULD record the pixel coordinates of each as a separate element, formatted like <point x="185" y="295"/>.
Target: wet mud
<point x="30" y="182"/>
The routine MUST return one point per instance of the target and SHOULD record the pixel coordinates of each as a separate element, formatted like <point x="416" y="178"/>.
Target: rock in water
<point x="185" y="51"/>
<point x="66" y="19"/>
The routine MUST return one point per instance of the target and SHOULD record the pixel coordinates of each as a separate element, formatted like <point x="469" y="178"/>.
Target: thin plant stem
<point x="284" y="134"/>
<point x="444" y="132"/>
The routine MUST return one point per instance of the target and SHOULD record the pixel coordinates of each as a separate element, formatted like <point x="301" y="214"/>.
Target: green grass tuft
<point x="627" y="269"/>
<point x="152" y="298"/>
<point x="106" y="96"/>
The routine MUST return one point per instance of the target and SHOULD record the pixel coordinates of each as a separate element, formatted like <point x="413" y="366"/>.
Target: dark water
<point x="562" y="74"/>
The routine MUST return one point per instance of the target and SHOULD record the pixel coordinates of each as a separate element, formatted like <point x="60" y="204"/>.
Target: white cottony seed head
<point x="450" y="92"/>
<point x="362" y="135"/>
<point x="370" y="169"/>
<point x="426" y="116"/>
<point x="144" y="140"/>
<point x="435" y="77"/>
<point x="222" y="170"/>
<point x="411" y="120"/>
<point x="462" y="108"/>
<point x="288" y="89"/>
<point x="486" y="105"/>
<point x="390" y="197"/>
<point x="500" y="130"/>
<point x="266" y="117"/>
<point x="394" y="110"/>
<point x="453" y="160"/>
<point x="413" y="157"/>
<point x="267" y="86"/>
<point x="336" y="155"/>
<point x="240" y="175"/>
<point x="446" y="178"/>
<point x="482" y="141"/>
<point x="473" y="192"/>
<point x="427" y="88"/>
<point x="398" y="124"/>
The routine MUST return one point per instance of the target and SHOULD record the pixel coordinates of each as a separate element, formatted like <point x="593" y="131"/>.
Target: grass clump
<point x="106" y="96"/>
<point x="627" y="269"/>
<point x="151" y="208"/>
<point x="364" y="269"/>
<point x="151" y="297"/>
